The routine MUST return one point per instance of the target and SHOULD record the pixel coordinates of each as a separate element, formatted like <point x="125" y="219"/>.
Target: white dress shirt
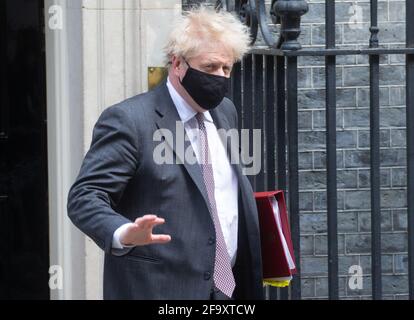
<point x="225" y="179"/>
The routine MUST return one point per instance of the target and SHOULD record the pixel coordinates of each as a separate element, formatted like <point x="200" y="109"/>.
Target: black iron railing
<point x="266" y="83"/>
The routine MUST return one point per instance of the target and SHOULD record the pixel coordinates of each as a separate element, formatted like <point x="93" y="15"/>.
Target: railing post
<point x="290" y="12"/>
<point x="293" y="167"/>
<point x="331" y="169"/>
<point x="375" y="158"/>
<point x="410" y="143"/>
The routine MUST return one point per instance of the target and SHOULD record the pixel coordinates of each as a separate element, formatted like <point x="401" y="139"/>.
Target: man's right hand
<point x="140" y="233"/>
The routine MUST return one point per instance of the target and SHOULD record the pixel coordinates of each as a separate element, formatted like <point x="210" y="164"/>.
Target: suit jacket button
<point x="207" y="275"/>
<point x="211" y="241"/>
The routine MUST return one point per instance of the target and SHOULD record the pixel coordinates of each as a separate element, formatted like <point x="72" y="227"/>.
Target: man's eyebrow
<point x="216" y="62"/>
<point x="211" y="61"/>
<point x="214" y="59"/>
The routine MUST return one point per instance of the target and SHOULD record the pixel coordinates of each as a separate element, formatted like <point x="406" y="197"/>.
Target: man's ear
<point x="176" y="65"/>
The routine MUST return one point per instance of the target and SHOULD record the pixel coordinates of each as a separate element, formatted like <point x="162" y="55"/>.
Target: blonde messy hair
<point x="201" y="24"/>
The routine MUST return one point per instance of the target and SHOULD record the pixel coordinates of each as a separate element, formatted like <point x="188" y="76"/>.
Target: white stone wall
<point x="121" y="39"/>
<point x="99" y="57"/>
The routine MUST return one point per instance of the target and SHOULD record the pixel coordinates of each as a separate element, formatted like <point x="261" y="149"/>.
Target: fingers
<point x="160" y="238"/>
<point x="142" y="221"/>
<point x="149" y="221"/>
<point x="157" y="222"/>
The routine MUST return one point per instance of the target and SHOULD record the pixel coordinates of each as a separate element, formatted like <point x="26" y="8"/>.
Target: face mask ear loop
<point x="188" y="65"/>
<point x="186" y="71"/>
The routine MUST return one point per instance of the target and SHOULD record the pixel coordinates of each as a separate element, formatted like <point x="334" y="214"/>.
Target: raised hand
<point x="140" y="232"/>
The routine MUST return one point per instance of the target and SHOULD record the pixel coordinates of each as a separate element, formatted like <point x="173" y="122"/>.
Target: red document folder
<point x="278" y="257"/>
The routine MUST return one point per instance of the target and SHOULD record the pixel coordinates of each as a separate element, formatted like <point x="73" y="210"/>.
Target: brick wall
<point x="353" y="157"/>
<point x="353" y="152"/>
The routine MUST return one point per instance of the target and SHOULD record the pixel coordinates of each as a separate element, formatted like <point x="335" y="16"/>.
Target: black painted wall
<point x="24" y="241"/>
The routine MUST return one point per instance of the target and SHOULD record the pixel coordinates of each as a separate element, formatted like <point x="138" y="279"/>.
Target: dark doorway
<point x="24" y="235"/>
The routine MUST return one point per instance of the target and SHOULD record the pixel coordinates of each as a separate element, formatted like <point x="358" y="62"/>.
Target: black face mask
<point x="208" y="90"/>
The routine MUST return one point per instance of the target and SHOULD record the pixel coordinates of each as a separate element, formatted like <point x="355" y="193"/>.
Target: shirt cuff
<point x="116" y="239"/>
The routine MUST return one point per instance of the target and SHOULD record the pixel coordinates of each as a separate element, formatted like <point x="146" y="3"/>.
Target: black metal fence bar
<point x="293" y="183"/>
<point x="236" y="91"/>
<point x="270" y="113"/>
<point x="281" y="123"/>
<point x="281" y="135"/>
<point x="330" y="71"/>
<point x="410" y="142"/>
<point x="375" y="159"/>
<point x="269" y="136"/>
<point x="247" y="101"/>
<point x="258" y="115"/>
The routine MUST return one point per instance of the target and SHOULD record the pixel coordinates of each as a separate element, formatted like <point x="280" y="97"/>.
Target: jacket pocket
<point x="133" y="256"/>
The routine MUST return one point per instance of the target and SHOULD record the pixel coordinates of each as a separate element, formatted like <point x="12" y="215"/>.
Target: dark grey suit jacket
<point x="119" y="181"/>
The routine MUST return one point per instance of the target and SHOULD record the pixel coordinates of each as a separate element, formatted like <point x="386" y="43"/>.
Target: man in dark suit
<point x="207" y="241"/>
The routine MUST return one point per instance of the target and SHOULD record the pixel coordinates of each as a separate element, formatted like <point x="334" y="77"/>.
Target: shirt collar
<point x="185" y="111"/>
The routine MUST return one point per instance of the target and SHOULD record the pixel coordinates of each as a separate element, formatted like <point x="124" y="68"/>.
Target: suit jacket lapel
<point x="168" y="119"/>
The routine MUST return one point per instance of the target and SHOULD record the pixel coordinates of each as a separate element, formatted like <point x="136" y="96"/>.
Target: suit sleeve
<point x="106" y="169"/>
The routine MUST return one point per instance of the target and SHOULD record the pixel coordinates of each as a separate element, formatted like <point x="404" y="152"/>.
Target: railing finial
<point x="290" y="12"/>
